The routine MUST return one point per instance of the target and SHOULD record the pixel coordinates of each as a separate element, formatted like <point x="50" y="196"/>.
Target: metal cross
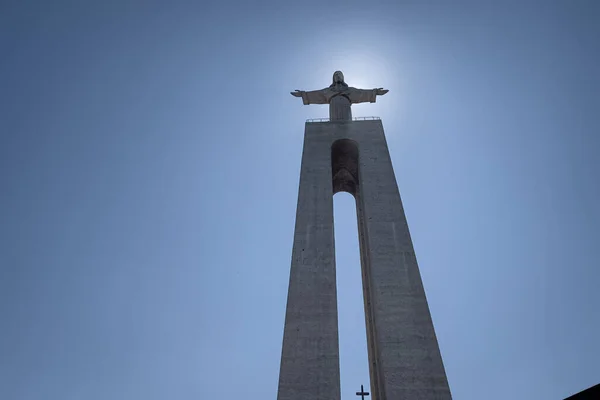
<point x="362" y="393"/>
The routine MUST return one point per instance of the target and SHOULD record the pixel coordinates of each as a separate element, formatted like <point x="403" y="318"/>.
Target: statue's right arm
<point x="312" y="97"/>
<point x="316" y="97"/>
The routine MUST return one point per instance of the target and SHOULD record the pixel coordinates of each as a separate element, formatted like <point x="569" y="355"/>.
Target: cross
<point x="362" y="393"/>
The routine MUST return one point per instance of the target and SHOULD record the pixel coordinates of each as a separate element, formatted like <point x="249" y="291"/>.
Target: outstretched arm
<point x="311" y="97"/>
<point x="365" y="95"/>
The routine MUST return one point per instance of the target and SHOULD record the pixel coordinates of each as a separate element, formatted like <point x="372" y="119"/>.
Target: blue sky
<point x="149" y="161"/>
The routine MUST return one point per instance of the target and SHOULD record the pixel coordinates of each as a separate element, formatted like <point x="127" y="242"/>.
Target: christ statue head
<point x="338" y="79"/>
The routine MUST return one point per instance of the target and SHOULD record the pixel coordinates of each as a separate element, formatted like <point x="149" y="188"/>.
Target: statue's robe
<point x="339" y="98"/>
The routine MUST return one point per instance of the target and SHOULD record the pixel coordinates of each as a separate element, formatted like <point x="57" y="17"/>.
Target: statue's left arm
<point x="365" y="95"/>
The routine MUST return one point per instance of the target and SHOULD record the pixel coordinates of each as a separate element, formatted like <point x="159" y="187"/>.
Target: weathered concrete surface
<point x="404" y="358"/>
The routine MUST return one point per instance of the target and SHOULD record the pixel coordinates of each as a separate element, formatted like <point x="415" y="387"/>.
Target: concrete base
<point x="404" y="358"/>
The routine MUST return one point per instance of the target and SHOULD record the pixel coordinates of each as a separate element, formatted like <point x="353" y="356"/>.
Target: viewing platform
<point x="353" y="119"/>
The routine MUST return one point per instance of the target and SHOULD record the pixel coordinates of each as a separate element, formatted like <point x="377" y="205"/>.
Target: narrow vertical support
<point x="405" y="352"/>
<point x="310" y="356"/>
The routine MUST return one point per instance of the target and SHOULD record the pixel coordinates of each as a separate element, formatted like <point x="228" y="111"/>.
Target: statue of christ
<point x="340" y="97"/>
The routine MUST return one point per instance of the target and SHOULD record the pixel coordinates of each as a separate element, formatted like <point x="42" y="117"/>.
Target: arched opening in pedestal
<point x="354" y="359"/>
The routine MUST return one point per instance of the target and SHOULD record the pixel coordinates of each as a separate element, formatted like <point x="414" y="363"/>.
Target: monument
<point x="348" y="155"/>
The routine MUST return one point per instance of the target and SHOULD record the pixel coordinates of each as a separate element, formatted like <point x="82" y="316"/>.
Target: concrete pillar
<point x="404" y="357"/>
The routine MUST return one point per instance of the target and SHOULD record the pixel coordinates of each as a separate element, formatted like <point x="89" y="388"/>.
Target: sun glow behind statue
<point x="365" y="63"/>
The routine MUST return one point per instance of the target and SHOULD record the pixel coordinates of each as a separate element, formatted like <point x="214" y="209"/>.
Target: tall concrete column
<point x="404" y="357"/>
<point x="310" y="358"/>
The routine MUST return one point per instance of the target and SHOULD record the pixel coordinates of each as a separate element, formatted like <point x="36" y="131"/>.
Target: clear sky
<point x="149" y="163"/>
